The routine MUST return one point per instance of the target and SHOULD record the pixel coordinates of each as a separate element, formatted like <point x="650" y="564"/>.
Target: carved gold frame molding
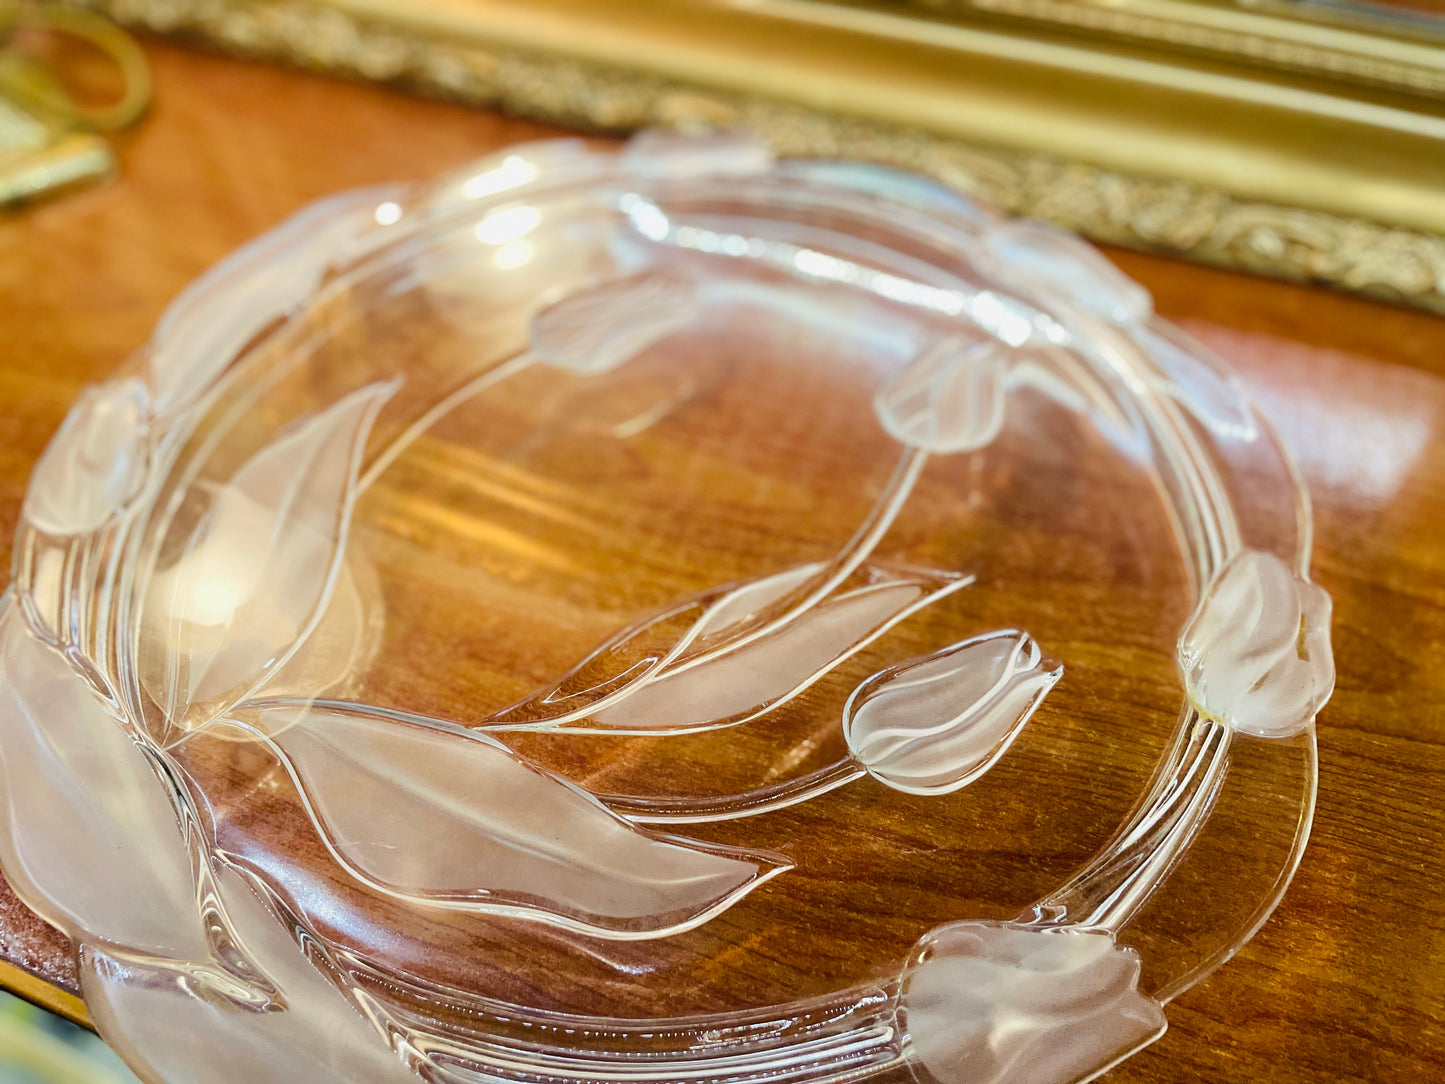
<point x="1395" y="49"/>
<point x="1309" y="149"/>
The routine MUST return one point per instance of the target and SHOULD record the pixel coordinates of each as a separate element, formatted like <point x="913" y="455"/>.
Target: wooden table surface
<point x="1346" y="982"/>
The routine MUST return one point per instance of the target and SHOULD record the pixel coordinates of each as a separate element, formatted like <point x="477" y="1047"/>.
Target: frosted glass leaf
<point x="597" y="329"/>
<point x="260" y="566"/>
<point x="990" y="1003"/>
<point x="606" y="673"/>
<point x="1256" y="654"/>
<point x="205" y="327"/>
<point x="726" y="687"/>
<point x="950" y="398"/>
<point x="641" y="649"/>
<point x="147" y="1010"/>
<point x="1207" y="391"/>
<point x="656" y="152"/>
<point x="627" y="661"/>
<point x="452" y="818"/>
<point x="1027" y="250"/>
<point x="749" y="600"/>
<point x="344" y="640"/>
<point x="90" y="840"/>
<point x="95" y="463"/>
<point x="933" y="725"/>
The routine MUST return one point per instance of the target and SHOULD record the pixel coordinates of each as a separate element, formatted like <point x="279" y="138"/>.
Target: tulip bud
<point x="657" y="152"/>
<point x="1256" y="654"/>
<point x="1022" y="251"/>
<point x="991" y="1003"/>
<point x="95" y="463"/>
<point x="598" y="329"/>
<point x="949" y="398"/>
<point x="933" y="725"/>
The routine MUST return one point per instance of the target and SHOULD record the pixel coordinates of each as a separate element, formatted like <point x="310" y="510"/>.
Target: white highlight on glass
<point x="513" y="255"/>
<point x="507" y="224"/>
<point x="513" y="171"/>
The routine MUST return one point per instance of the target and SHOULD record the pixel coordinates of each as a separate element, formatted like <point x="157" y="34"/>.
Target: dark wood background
<point x="1347" y="980"/>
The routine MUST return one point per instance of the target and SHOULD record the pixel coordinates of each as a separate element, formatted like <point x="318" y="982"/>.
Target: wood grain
<point x="1347" y="980"/>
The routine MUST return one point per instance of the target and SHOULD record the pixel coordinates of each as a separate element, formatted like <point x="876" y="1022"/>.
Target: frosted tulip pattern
<point x="287" y="875"/>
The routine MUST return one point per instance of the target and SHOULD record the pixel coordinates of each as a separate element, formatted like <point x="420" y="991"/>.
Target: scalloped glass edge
<point x="194" y="968"/>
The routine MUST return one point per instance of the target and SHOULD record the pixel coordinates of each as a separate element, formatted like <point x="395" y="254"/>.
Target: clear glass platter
<point x="657" y="614"/>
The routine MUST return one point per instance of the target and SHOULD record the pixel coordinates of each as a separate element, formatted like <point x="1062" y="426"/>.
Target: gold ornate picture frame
<point x="1299" y="140"/>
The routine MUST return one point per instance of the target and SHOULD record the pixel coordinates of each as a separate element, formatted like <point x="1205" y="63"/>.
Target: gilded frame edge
<point x="38" y="991"/>
<point x="1325" y="43"/>
<point x="1196" y="221"/>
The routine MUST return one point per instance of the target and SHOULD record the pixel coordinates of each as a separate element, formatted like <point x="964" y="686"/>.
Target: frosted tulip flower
<point x="600" y="329"/>
<point x="933" y="725"/>
<point x="1256" y="654"/>
<point x="95" y="463"/>
<point x="993" y="1003"/>
<point x="948" y="399"/>
<point x="1028" y="252"/>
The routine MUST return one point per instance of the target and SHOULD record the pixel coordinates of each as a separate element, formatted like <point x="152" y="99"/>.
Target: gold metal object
<point x="47" y="136"/>
<point x="35" y="87"/>
<point x="36" y="159"/>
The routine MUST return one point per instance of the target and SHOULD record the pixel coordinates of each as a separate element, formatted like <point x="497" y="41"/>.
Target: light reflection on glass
<point x="507" y="224"/>
<point x="1009" y="320"/>
<point x="513" y="255"/>
<point x="513" y="171"/>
